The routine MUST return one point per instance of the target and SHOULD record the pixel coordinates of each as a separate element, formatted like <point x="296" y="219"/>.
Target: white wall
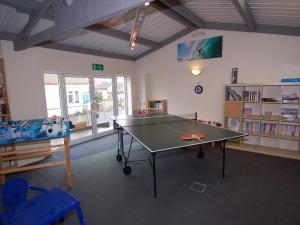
<point x="259" y="58"/>
<point x="25" y="69"/>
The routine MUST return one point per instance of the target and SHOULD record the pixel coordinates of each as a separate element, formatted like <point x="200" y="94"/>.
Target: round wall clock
<point x="198" y="89"/>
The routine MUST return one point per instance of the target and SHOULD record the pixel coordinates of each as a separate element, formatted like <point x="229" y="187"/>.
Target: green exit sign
<point x="97" y="66"/>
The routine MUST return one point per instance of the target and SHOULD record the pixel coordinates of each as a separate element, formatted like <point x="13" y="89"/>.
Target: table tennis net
<point x="149" y="119"/>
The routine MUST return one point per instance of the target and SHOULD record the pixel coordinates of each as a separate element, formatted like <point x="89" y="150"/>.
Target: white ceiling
<point x="214" y="10"/>
<point x="275" y="12"/>
<point x="95" y="41"/>
<point x="158" y="27"/>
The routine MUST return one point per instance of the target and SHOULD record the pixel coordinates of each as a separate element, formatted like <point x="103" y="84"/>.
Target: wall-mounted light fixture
<point x="196" y="71"/>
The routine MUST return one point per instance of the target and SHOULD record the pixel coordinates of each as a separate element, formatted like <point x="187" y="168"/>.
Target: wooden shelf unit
<point x="4" y="103"/>
<point x="157" y="105"/>
<point x="12" y="154"/>
<point x="274" y="140"/>
<point x="29" y="151"/>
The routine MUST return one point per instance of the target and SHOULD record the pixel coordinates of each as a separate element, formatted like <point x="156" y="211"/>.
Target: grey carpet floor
<point x="257" y="189"/>
<point x="95" y="146"/>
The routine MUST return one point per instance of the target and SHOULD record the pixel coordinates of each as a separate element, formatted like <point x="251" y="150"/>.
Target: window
<point x="52" y="95"/>
<point x="88" y="101"/>
<point x="122" y="95"/>
<point x="70" y="97"/>
<point x="76" y="97"/>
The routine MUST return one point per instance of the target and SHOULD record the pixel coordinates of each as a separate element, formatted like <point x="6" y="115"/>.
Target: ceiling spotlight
<point x="147" y="3"/>
<point x="132" y="46"/>
<point x="139" y="18"/>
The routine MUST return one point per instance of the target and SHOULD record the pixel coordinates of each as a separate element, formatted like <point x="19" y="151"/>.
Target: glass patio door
<point x="78" y="105"/>
<point x="87" y="101"/>
<point x="103" y="103"/>
<point x="121" y="95"/>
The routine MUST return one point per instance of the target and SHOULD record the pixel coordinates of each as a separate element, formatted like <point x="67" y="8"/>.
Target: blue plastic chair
<point x="46" y="208"/>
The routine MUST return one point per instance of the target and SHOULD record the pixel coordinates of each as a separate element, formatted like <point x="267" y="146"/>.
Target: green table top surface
<point x="161" y="133"/>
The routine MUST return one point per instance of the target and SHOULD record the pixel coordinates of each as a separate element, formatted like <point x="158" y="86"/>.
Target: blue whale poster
<point x="201" y="49"/>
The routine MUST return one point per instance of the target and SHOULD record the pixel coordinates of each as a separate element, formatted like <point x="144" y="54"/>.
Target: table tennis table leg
<point x="119" y="156"/>
<point x="224" y="154"/>
<point x="121" y="143"/>
<point x="154" y="174"/>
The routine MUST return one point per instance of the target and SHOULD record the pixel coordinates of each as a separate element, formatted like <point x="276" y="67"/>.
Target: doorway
<point x="87" y="101"/>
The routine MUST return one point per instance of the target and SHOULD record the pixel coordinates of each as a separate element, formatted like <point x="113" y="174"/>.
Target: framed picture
<point x="234" y="75"/>
<point x="201" y="49"/>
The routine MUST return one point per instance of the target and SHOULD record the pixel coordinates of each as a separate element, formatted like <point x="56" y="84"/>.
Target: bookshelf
<point x="269" y="113"/>
<point x="4" y="114"/>
<point x="157" y="105"/>
<point x="4" y="104"/>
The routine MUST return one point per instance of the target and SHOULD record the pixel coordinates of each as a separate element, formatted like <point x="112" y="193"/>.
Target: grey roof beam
<point x="245" y="12"/>
<point x="172" y="14"/>
<point x="166" y="42"/>
<point x="69" y="48"/>
<point x="35" y="18"/>
<point x="101" y="29"/>
<point x="27" y="6"/>
<point x="283" y="30"/>
<point x="80" y="14"/>
<point x="226" y="26"/>
<point x="32" y="7"/>
<point x="179" y="8"/>
<point x="7" y="36"/>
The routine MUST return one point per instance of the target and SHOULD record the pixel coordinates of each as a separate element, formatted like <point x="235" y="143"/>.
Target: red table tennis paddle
<point x="197" y="136"/>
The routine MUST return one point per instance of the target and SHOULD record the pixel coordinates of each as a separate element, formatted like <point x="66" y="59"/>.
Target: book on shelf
<point x="247" y="112"/>
<point x="290" y="130"/>
<point x="234" y="95"/>
<point x="269" y="100"/>
<point x="251" y="127"/>
<point x="292" y="98"/>
<point x="252" y="96"/>
<point x="269" y="129"/>
<point x="156" y="105"/>
<point x="284" y="129"/>
<point x="3" y="109"/>
<point x="1" y="78"/>
<point x="289" y="114"/>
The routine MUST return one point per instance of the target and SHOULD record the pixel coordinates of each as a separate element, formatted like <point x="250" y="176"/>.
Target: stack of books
<point x="251" y="127"/>
<point x="290" y="130"/>
<point x="293" y="98"/>
<point x="2" y="109"/>
<point x="252" y="96"/>
<point x="1" y="78"/>
<point x="269" y="100"/>
<point x="247" y="112"/>
<point x="156" y="105"/>
<point x="269" y="129"/>
<point x="289" y="114"/>
<point x="234" y="95"/>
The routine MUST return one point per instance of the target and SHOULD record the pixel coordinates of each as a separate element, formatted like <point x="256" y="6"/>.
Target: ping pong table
<point x="160" y="132"/>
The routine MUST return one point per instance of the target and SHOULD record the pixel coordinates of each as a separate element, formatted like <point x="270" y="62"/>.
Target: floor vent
<point x="198" y="187"/>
